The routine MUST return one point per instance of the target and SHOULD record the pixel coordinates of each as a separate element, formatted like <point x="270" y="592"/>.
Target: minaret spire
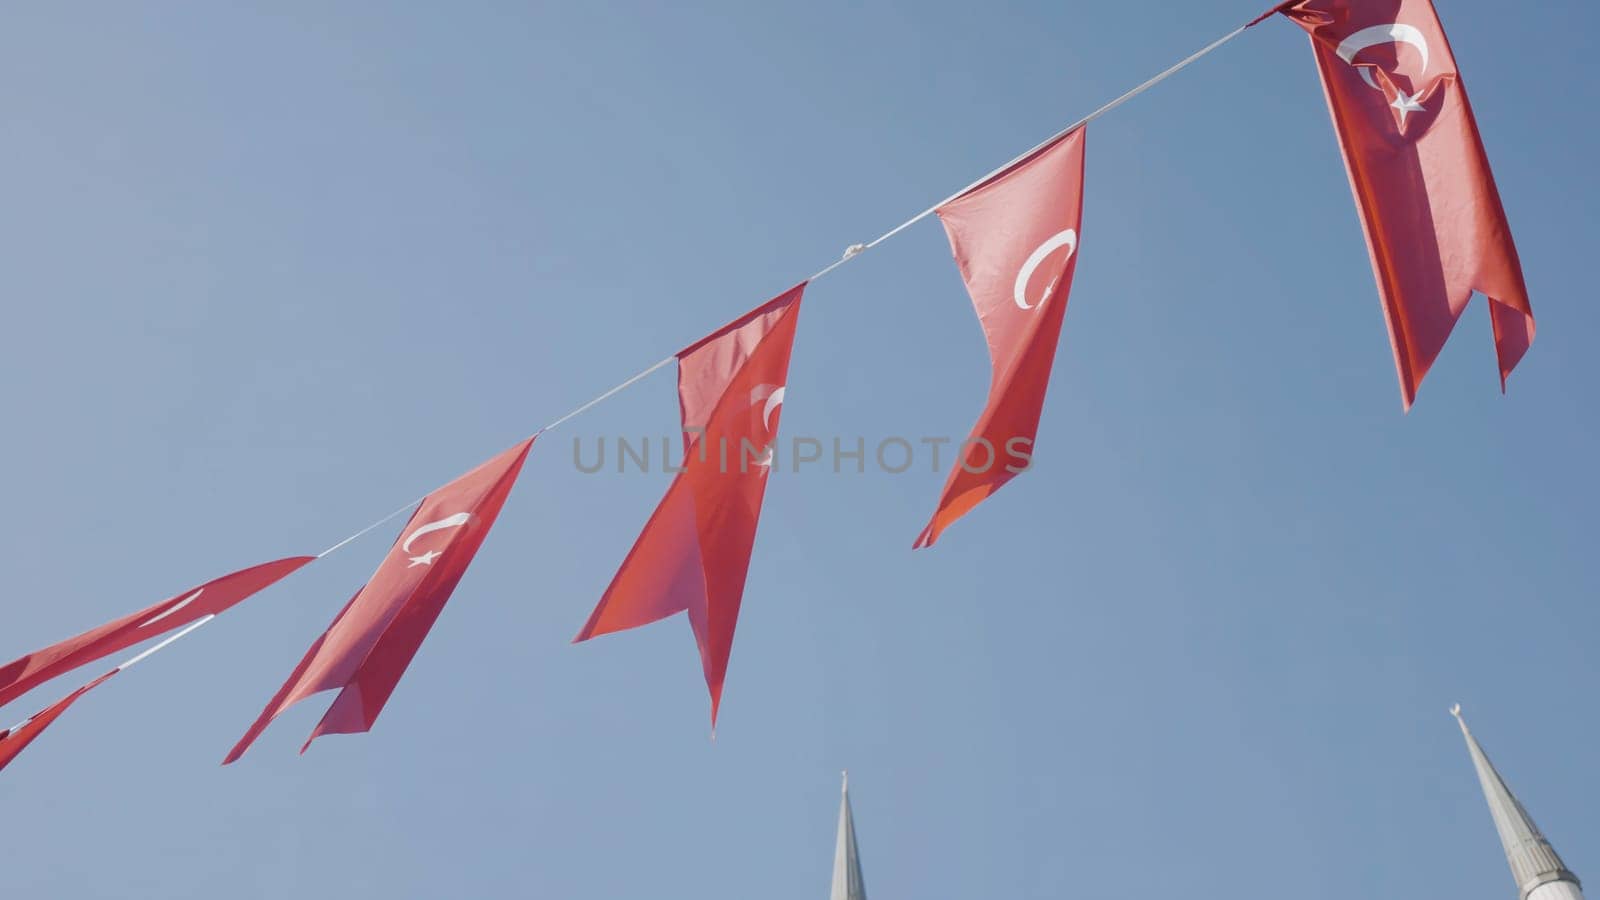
<point x="1539" y="872"/>
<point x="847" y="883"/>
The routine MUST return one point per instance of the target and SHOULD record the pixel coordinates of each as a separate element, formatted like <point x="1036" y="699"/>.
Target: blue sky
<point x="271" y="271"/>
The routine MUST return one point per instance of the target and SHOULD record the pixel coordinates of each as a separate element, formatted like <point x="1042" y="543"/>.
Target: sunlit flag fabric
<point x="372" y="640"/>
<point x="694" y="552"/>
<point x="22" y="675"/>
<point x="14" y="740"/>
<point x="1015" y="238"/>
<point x="1434" y="224"/>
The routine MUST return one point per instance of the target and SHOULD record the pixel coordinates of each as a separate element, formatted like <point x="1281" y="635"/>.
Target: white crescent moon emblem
<point x="1393" y="33"/>
<point x="173" y="608"/>
<point x="1019" y="293"/>
<point x="454" y="521"/>
<point x="773" y="394"/>
<point x="774" y="400"/>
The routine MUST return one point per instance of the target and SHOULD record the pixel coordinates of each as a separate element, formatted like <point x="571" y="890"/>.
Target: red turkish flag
<point x="1015" y="238"/>
<point x="694" y="552"/>
<point x="15" y="740"/>
<point x="372" y="640"/>
<point x="22" y="675"/>
<point x="1434" y="224"/>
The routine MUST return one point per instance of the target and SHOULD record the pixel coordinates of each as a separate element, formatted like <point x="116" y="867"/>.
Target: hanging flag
<point x="372" y="640"/>
<point x="694" y="552"/>
<point x="22" y="675"/>
<point x="1434" y="224"/>
<point x="1015" y="238"/>
<point x="16" y="739"/>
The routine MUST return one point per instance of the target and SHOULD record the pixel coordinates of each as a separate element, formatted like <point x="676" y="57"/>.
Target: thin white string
<point x="856" y="249"/>
<point x="133" y="661"/>
<point x="188" y="628"/>
<point x="851" y="253"/>
<point x="363" y="531"/>
<point x="1163" y="76"/>
<point x="609" y="394"/>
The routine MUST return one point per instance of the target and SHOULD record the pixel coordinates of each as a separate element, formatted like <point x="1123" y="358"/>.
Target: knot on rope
<point x="854" y="250"/>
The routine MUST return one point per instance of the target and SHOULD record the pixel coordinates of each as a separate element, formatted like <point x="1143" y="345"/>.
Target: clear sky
<point x="270" y="272"/>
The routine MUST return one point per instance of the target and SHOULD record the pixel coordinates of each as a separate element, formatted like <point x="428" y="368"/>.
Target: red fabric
<point x="1435" y="227"/>
<point x="22" y="675"/>
<point x="1015" y="238"/>
<point x="1271" y="12"/>
<point x="372" y="640"/>
<point x="15" y="740"/>
<point x="694" y="552"/>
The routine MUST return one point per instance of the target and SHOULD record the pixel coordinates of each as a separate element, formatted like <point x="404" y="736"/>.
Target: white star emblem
<point x="1407" y="104"/>
<point x="425" y="559"/>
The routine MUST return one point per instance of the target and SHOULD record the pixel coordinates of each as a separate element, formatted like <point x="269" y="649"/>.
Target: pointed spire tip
<point x="1533" y="861"/>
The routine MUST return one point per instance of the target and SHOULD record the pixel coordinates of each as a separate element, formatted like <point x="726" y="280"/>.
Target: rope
<point x="855" y="250"/>
<point x="850" y="253"/>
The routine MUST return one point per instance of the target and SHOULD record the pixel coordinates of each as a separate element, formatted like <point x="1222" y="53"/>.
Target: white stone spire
<point x="847" y="883"/>
<point x="1539" y="872"/>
